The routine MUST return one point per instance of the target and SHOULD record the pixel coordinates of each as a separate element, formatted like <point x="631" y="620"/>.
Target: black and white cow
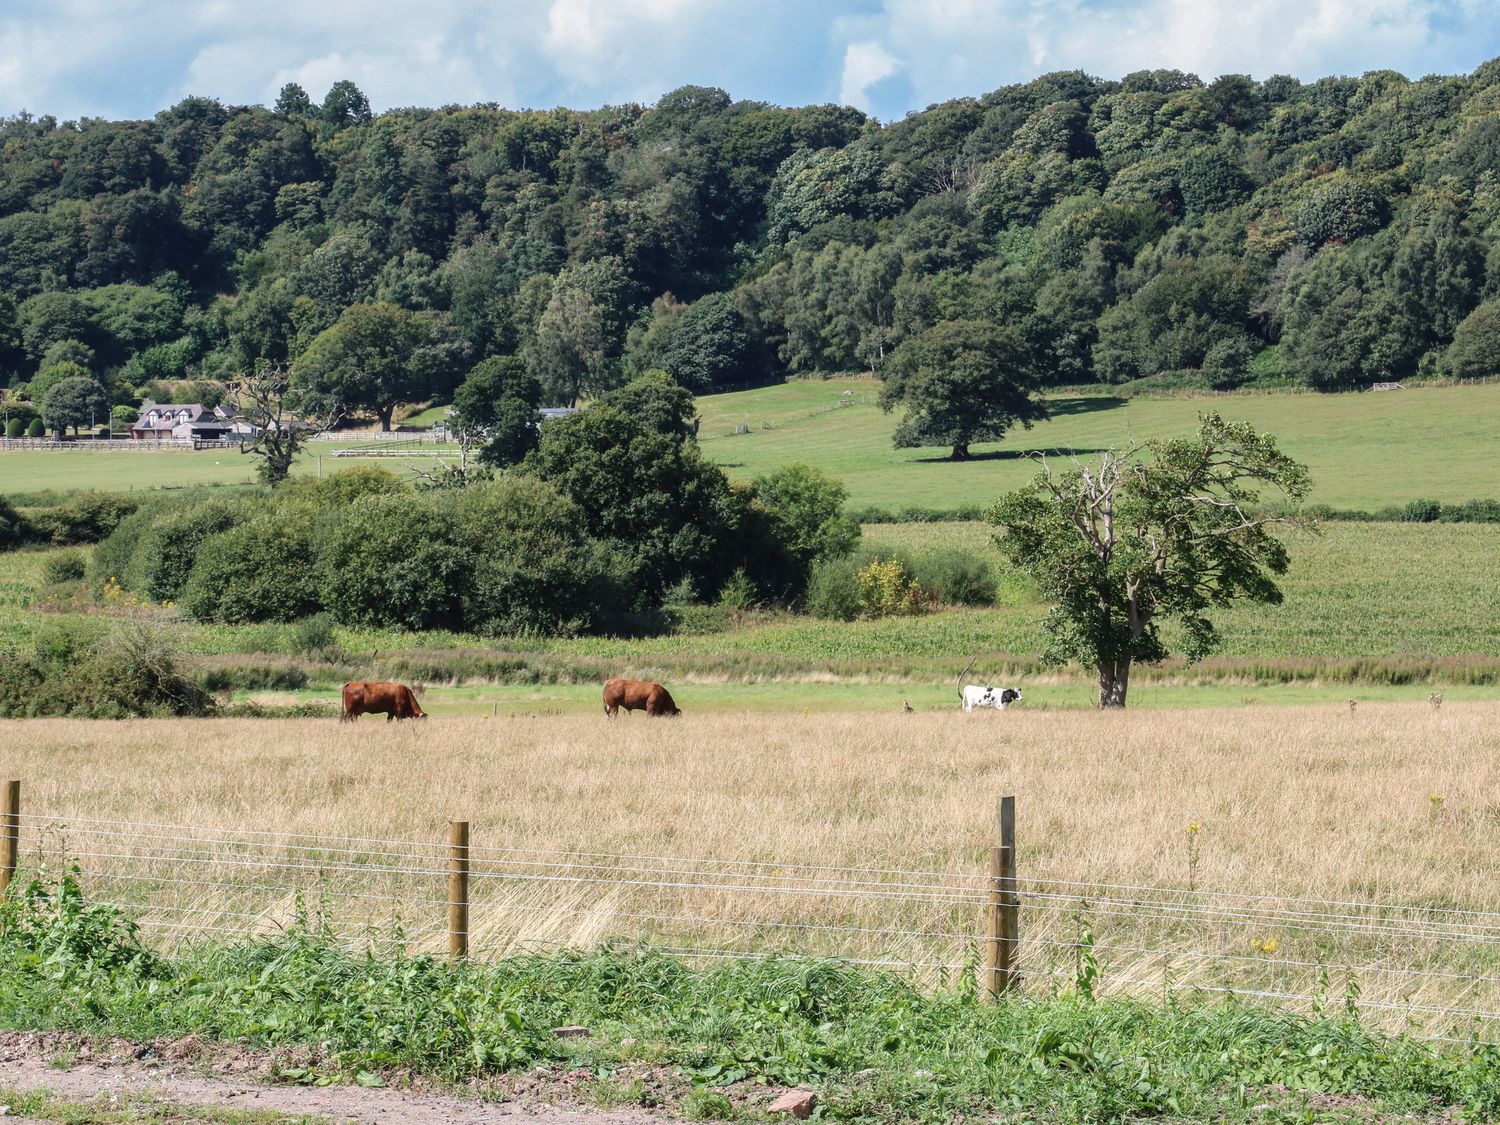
<point x="980" y="695"/>
<point x="977" y="695"/>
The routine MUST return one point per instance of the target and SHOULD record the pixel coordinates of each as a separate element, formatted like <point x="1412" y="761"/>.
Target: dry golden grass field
<point x="664" y="823"/>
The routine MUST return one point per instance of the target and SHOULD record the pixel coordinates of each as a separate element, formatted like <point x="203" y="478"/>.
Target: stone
<point x="571" y="1031"/>
<point x="796" y="1103"/>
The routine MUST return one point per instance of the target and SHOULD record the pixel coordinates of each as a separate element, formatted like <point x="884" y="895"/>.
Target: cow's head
<point x="1010" y="695"/>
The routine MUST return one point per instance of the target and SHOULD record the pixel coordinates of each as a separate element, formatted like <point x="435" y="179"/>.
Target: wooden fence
<point x="1416" y="968"/>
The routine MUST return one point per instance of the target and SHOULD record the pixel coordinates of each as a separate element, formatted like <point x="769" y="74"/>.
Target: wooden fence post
<point x="1003" y="909"/>
<point x="458" y="888"/>
<point x="994" y="934"/>
<point x="10" y="834"/>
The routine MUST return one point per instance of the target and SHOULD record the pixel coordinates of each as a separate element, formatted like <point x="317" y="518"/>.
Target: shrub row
<point x="512" y="556"/>
<point x="84" y="517"/>
<point x="879" y="583"/>
<point x="1414" y="511"/>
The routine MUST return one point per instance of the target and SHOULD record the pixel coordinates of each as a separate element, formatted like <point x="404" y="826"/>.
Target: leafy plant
<point x="886" y="590"/>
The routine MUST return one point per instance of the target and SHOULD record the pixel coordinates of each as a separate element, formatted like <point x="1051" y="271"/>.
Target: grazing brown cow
<point x="638" y="695"/>
<point x="395" y="701"/>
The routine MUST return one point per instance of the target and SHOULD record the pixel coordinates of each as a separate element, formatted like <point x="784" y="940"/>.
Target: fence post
<point x="1008" y="920"/>
<point x="994" y="934"/>
<point x="10" y="834"/>
<point x="458" y="888"/>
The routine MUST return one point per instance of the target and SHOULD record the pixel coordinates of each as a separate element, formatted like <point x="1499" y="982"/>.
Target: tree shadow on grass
<point x="1007" y="455"/>
<point x="1084" y="404"/>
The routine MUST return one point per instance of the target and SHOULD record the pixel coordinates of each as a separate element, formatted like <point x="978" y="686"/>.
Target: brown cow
<point x="638" y="695"/>
<point x="395" y="701"/>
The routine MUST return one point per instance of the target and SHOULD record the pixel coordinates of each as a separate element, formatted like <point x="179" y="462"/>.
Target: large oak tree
<point x="961" y="382"/>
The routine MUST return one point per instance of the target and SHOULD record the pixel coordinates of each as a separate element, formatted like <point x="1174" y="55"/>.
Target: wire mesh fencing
<point x="1428" y="970"/>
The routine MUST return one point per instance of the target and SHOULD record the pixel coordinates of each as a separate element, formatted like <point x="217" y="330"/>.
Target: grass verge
<point x="874" y="1047"/>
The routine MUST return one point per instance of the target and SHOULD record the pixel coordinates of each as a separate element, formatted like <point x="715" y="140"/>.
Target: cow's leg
<point x="390" y="716"/>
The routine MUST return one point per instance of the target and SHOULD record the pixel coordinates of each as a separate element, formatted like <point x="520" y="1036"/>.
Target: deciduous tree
<point x="376" y="356"/>
<point x="1164" y="531"/>
<point x="960" y="382"/>
<point x="74" y="402"/>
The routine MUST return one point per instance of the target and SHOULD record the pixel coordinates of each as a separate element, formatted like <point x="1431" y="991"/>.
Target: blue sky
<point x="130" y="58"/>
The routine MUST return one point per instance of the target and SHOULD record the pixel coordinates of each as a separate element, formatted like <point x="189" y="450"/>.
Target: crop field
<point x="1364" y="451"/>
<point x="1390" y="805"/>
<point x="1377" y="611"/>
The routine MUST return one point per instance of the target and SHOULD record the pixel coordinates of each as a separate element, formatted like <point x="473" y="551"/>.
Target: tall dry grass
<point x="1389" y="804"/>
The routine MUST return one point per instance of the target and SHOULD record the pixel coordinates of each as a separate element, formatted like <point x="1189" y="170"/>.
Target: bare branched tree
<point x="284" y="419"/>
<point x="1165" y="531"/>
<point x="470" y="440"/>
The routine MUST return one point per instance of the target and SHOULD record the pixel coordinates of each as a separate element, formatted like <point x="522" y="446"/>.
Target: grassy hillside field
<point x="1365" y="450"/>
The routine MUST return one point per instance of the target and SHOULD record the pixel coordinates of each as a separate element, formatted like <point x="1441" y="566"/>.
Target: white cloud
<point x="955" y="47"/>
<point x="865" y="64"/>
<point x="133" y="57"/>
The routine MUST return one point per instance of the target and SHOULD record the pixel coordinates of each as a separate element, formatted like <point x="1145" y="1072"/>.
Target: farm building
<point x="187" y="420"/>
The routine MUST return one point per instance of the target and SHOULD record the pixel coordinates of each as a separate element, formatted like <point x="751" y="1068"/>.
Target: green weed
<point x="936" y="1055"/>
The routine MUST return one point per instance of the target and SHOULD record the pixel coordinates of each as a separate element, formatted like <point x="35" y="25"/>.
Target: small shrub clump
<point x="64" y="566"/>
<point x="833" y="590"/>
<point x="887" y="590"/>
<point x="955" y="576"/>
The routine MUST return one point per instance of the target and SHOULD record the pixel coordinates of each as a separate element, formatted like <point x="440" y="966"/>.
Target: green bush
<point x="534" y="569"/>
<point x="65" y="566"/>
<point x="36" y="429"/>
<point x="86" y="517"/>
<point x="264" y="570"/>
<point x="397" y="561"/>
<point x="343" y="487"/>
<point x="1421" y="511"/>
<point x="81" y="670"/>
<point x="955" y="576"/>
<point x="314" y="634"/>
<point x="14" y="427"/>
<point x="738" y="593"/>
<point x="152" y="552"/>
<point x="833" y="590"/>
<point x="13" y="529"/>
<point x="1472" y="511"/>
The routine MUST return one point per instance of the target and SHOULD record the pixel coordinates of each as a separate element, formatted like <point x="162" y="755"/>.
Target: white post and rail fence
<point x="1423" y="969"/>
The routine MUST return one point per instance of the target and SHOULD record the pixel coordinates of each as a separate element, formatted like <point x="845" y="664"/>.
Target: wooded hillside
<point x="1159" y="227"/>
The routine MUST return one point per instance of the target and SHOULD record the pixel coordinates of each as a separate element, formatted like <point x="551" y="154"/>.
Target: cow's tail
<point x="959" y="683"/>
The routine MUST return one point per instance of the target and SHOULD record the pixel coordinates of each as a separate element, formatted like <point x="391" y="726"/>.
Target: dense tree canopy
<point x="1161" y="228"/>
<point x="961" y="382"/>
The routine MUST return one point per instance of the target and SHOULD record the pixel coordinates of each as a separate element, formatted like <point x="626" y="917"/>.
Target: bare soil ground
<point x="190" y="1073"/>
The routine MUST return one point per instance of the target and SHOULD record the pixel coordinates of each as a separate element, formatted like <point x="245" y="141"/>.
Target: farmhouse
<point x="186" y="420"/>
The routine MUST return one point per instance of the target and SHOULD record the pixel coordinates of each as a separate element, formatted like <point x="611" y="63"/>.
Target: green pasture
<point x="1364" y="450"/>
<point x="1388" y="609"/>
<point x="1071" y="692"/>
<point x="136" y="470"/>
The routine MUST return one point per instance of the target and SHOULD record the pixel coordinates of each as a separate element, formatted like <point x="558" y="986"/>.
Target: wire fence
<point x="1431" y="970"/>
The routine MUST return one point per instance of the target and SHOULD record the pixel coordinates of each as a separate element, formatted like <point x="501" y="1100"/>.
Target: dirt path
<point x="197" y="1076"/>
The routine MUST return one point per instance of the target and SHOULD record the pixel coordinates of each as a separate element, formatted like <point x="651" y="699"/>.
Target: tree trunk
<point x="1114" y="682"/>
<point x="385" y="416"/>
<point x="961" y="451"/>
